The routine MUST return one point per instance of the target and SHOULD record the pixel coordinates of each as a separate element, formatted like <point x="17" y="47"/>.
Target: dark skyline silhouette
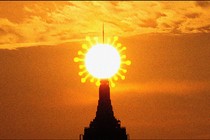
<point x="104" y="126"/>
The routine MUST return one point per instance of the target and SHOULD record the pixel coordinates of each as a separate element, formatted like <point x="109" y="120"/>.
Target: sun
<point x="102" y="61"/>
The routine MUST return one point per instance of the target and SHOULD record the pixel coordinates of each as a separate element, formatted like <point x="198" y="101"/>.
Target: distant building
<point x="104" y="126"/>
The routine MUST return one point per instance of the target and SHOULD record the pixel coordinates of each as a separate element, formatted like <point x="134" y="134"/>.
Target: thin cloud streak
<point x="171" y="87"/>
<point x="32" y="44"/>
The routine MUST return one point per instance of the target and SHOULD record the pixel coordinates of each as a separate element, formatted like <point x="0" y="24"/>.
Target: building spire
<point x="104" y="126"/>
<point x="103" y="33"/>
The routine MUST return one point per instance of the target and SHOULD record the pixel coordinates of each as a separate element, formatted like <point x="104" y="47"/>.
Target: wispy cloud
<point x="174" y="87"/>
<point x="45" y="22"/>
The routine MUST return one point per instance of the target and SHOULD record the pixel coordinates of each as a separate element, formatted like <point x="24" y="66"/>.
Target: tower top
<point x="105" y="126"/>
<point x="104" y="82"/>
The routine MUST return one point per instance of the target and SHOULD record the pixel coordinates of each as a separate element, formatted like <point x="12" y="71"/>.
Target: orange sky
<point x="166" y="90"/>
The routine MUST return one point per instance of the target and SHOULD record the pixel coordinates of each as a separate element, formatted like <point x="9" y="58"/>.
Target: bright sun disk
<point x="102" y="61"/>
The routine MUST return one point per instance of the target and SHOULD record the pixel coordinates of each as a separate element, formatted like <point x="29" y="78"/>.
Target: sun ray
<point x="121" y="76"/>
<point x="82" y="56"/>
<point x="77" y="59"/>
<point x="115" y="39"/>
<point x="98" y="82"/>
<point x="123" y="70"/>
<point x="96" y="40"/>
<point x="122" y="49"/>
<point x="123" y="56"/>
<point x="127" y="62"/>
<point x="92" y="79"/>
<point x="118" y="45"/>
<point x="85" y="46"/>
<point x="89" y="40"/>
<point x="83" y="80"/>
<point x="81" y="66"/>
<point x="80" y="53"/>
<point x="112" y="83"/>
<point x="115" y="78"/>
<point x="82" y="72"/>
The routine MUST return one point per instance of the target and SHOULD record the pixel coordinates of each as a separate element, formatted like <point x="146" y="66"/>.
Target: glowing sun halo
<point x="102" y="61"/>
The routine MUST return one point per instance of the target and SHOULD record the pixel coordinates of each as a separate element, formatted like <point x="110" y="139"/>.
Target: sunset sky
<point x="166" y="92"/>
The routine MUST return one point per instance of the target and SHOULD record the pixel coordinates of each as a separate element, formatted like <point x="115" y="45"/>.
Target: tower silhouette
<point x="104" y="126"/>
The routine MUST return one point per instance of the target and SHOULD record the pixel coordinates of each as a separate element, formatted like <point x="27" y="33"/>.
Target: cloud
<point x="203" y="4"/>
<point x="192" y="15"/>
<point x="59" y="21"/>
<point x="148" y="23"/>
<point x="170" y="87"/>
<point x="204" y="28"/>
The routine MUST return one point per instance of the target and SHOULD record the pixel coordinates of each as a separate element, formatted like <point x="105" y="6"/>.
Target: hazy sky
<point x="166" y="92"/>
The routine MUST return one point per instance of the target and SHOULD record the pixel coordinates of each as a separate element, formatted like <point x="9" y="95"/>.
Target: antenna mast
<point x="103" y="33"/>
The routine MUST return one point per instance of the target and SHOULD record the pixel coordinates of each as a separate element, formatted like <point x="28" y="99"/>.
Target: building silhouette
<point x="104" y="126"/>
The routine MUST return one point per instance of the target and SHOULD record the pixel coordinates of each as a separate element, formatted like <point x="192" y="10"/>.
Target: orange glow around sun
<point x="102" y="61"/>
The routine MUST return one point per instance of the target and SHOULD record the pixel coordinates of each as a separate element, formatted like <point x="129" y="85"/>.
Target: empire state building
<point x="104" y="126"/>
